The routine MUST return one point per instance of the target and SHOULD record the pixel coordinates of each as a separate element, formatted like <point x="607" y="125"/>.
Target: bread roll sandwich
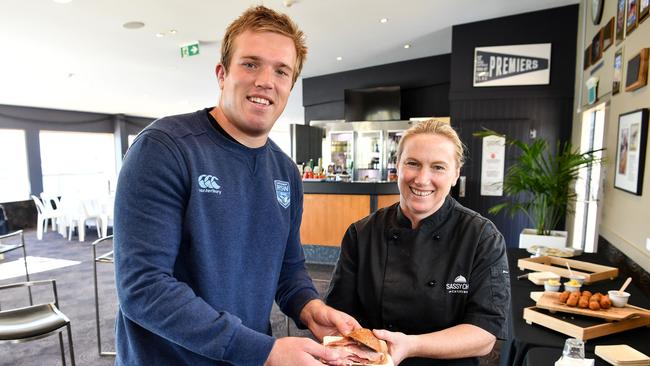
<point x="360" y="347"/>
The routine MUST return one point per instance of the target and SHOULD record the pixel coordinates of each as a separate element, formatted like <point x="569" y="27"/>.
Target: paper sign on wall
<point x="493" y="165"/>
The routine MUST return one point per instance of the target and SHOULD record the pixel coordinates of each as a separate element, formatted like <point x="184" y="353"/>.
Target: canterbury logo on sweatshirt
<point x="208" y="184"/>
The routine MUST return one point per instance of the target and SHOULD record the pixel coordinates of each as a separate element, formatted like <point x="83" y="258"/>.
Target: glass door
<point x="342" y="151"/>
<point x="369" y="156"/>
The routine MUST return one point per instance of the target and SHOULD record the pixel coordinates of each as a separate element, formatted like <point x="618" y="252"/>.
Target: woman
<point x="429" y="275"/>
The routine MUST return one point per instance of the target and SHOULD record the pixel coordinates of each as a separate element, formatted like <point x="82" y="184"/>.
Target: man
<point x="207" y="221"/>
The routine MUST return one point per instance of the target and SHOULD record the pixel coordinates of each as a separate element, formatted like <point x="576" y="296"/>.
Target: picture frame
<point x="620" y="21"/>
<point x="632" y="16"/>
<point x="587" y="58"/>
<point x="608" y="34"/>
<point x="644" y="9"/>
<point x="636" y="74"/>
<point x="630" y="151"/>
<point x="618" y="71"/>
<point x="597" y="47"/>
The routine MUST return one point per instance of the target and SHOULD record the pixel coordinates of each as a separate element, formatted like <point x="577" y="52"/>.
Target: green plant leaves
<point x="539" y="182"/>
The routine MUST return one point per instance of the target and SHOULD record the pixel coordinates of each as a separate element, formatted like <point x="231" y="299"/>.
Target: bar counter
<point x="330" y="207"/>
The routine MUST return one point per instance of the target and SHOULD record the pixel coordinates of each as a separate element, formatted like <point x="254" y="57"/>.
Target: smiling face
<point x="426" y="171"/>
<point x="255" y="89"/>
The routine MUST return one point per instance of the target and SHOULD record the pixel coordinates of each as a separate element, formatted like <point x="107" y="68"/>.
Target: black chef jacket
<point x="451" y="270"/>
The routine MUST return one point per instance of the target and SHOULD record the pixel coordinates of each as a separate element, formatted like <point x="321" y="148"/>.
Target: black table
<point x="545" y="356"/>
<point x="525" y="337"/>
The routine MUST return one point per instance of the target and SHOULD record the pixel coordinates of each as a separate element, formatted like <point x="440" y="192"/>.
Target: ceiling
<point x="77" y="56"/>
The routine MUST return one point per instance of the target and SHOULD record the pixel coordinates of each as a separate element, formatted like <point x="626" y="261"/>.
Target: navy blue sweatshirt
<point x="207" y="234"/>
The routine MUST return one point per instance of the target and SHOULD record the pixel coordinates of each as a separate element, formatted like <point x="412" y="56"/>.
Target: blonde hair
<point x="435" y="127"/>
<point x="262" y="19"/>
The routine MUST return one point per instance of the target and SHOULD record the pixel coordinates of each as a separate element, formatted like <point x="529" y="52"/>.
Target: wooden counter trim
<point x="326" y="217"/>
<point x="386" y="200"/>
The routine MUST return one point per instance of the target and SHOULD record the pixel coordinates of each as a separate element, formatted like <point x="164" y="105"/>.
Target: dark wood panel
<point x="549" y="117"/>
<point x="527" y="28"/>
<point x="406" y="74"/>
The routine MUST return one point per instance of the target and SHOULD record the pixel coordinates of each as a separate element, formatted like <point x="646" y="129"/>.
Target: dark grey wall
<point x="424" y="84"/>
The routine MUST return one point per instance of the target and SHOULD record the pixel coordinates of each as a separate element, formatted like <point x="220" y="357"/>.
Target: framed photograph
<point x="620" y="21"/>
<point x="644" y="6"/>
<point x="608" y="34"/>
<point x="636" y="71"/>
<point x="618" y="71"/>
<point x="632" y="16"/>
<point x="597" y="47"/>
<point x="587" y="58"/>
<point x="630" y="151"/>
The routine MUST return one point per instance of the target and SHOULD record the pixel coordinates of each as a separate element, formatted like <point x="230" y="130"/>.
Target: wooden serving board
<point x="534" y="315"/>
<point x="592" y="272"/>
<point x="551" y="301"/>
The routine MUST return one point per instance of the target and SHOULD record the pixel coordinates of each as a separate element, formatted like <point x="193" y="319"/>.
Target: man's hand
<point x="291" y="351"/>
<point x="323" y="320"/>
<point x="399" y="344"/>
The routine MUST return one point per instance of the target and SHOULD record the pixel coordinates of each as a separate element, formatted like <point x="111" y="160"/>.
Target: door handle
<point x="461" y="187"/>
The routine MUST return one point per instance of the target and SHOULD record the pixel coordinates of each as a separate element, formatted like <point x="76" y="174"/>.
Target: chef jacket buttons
<point x="431" y="283"/>
<point x="436" y="237"/>
<point x="389" y="326"/>
<point x="395" y="236"/>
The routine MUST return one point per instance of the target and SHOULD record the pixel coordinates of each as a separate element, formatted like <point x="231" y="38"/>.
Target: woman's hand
<point x="323" y="320"/>
<point x="400" y="345"/>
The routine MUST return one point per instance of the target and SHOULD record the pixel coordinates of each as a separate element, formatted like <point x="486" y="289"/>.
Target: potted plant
<point x="539" y="184"/>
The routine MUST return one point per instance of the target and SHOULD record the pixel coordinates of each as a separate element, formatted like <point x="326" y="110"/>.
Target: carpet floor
<point x="76" y="300"/>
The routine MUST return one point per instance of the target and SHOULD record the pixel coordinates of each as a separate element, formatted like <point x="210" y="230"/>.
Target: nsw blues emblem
<point x="282" y="193"/>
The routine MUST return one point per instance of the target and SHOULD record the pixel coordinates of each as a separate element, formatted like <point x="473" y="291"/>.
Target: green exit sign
<point x="191" y="49"/>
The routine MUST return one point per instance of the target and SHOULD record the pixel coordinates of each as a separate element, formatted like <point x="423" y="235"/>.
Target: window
<point x="78" y="162"/>
<point x="588" y="186"/>
<point x="14" y="176"/>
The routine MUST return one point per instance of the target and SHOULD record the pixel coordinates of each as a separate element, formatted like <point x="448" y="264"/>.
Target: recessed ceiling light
<point x="173" y="31"/>
<point x="383" y="20"/>
<point x="160" y="35"/>
<point x="62" y="1"/>
<point x="407" y="46"/>
<point x="133" y="25"/>
<point x="339" y="58"/>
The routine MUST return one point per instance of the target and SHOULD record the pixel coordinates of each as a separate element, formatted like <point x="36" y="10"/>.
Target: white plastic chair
<point x="107" y="214"/>
<point x="43" y="215"/>
<point x="52" y="204"/>
<point x="78" y="214"/>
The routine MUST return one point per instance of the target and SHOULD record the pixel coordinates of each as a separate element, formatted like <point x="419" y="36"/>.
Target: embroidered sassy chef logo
<point x="208" y="184"/>
<point x="459" y="286"/>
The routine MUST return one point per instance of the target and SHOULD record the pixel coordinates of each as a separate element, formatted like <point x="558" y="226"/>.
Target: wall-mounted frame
<point x="597" y="47"/>
<point x="618" y="71"/>
<point x="608" y="34"/>
<point x="644" y="9"/>
<point x="620" y="21"/>
<point x="522" y="64"/>
<point x="636" y="75"/>
<point x="630" y="151"/>
<point x="587" y="58"/>
<point x="632" y="19"/>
